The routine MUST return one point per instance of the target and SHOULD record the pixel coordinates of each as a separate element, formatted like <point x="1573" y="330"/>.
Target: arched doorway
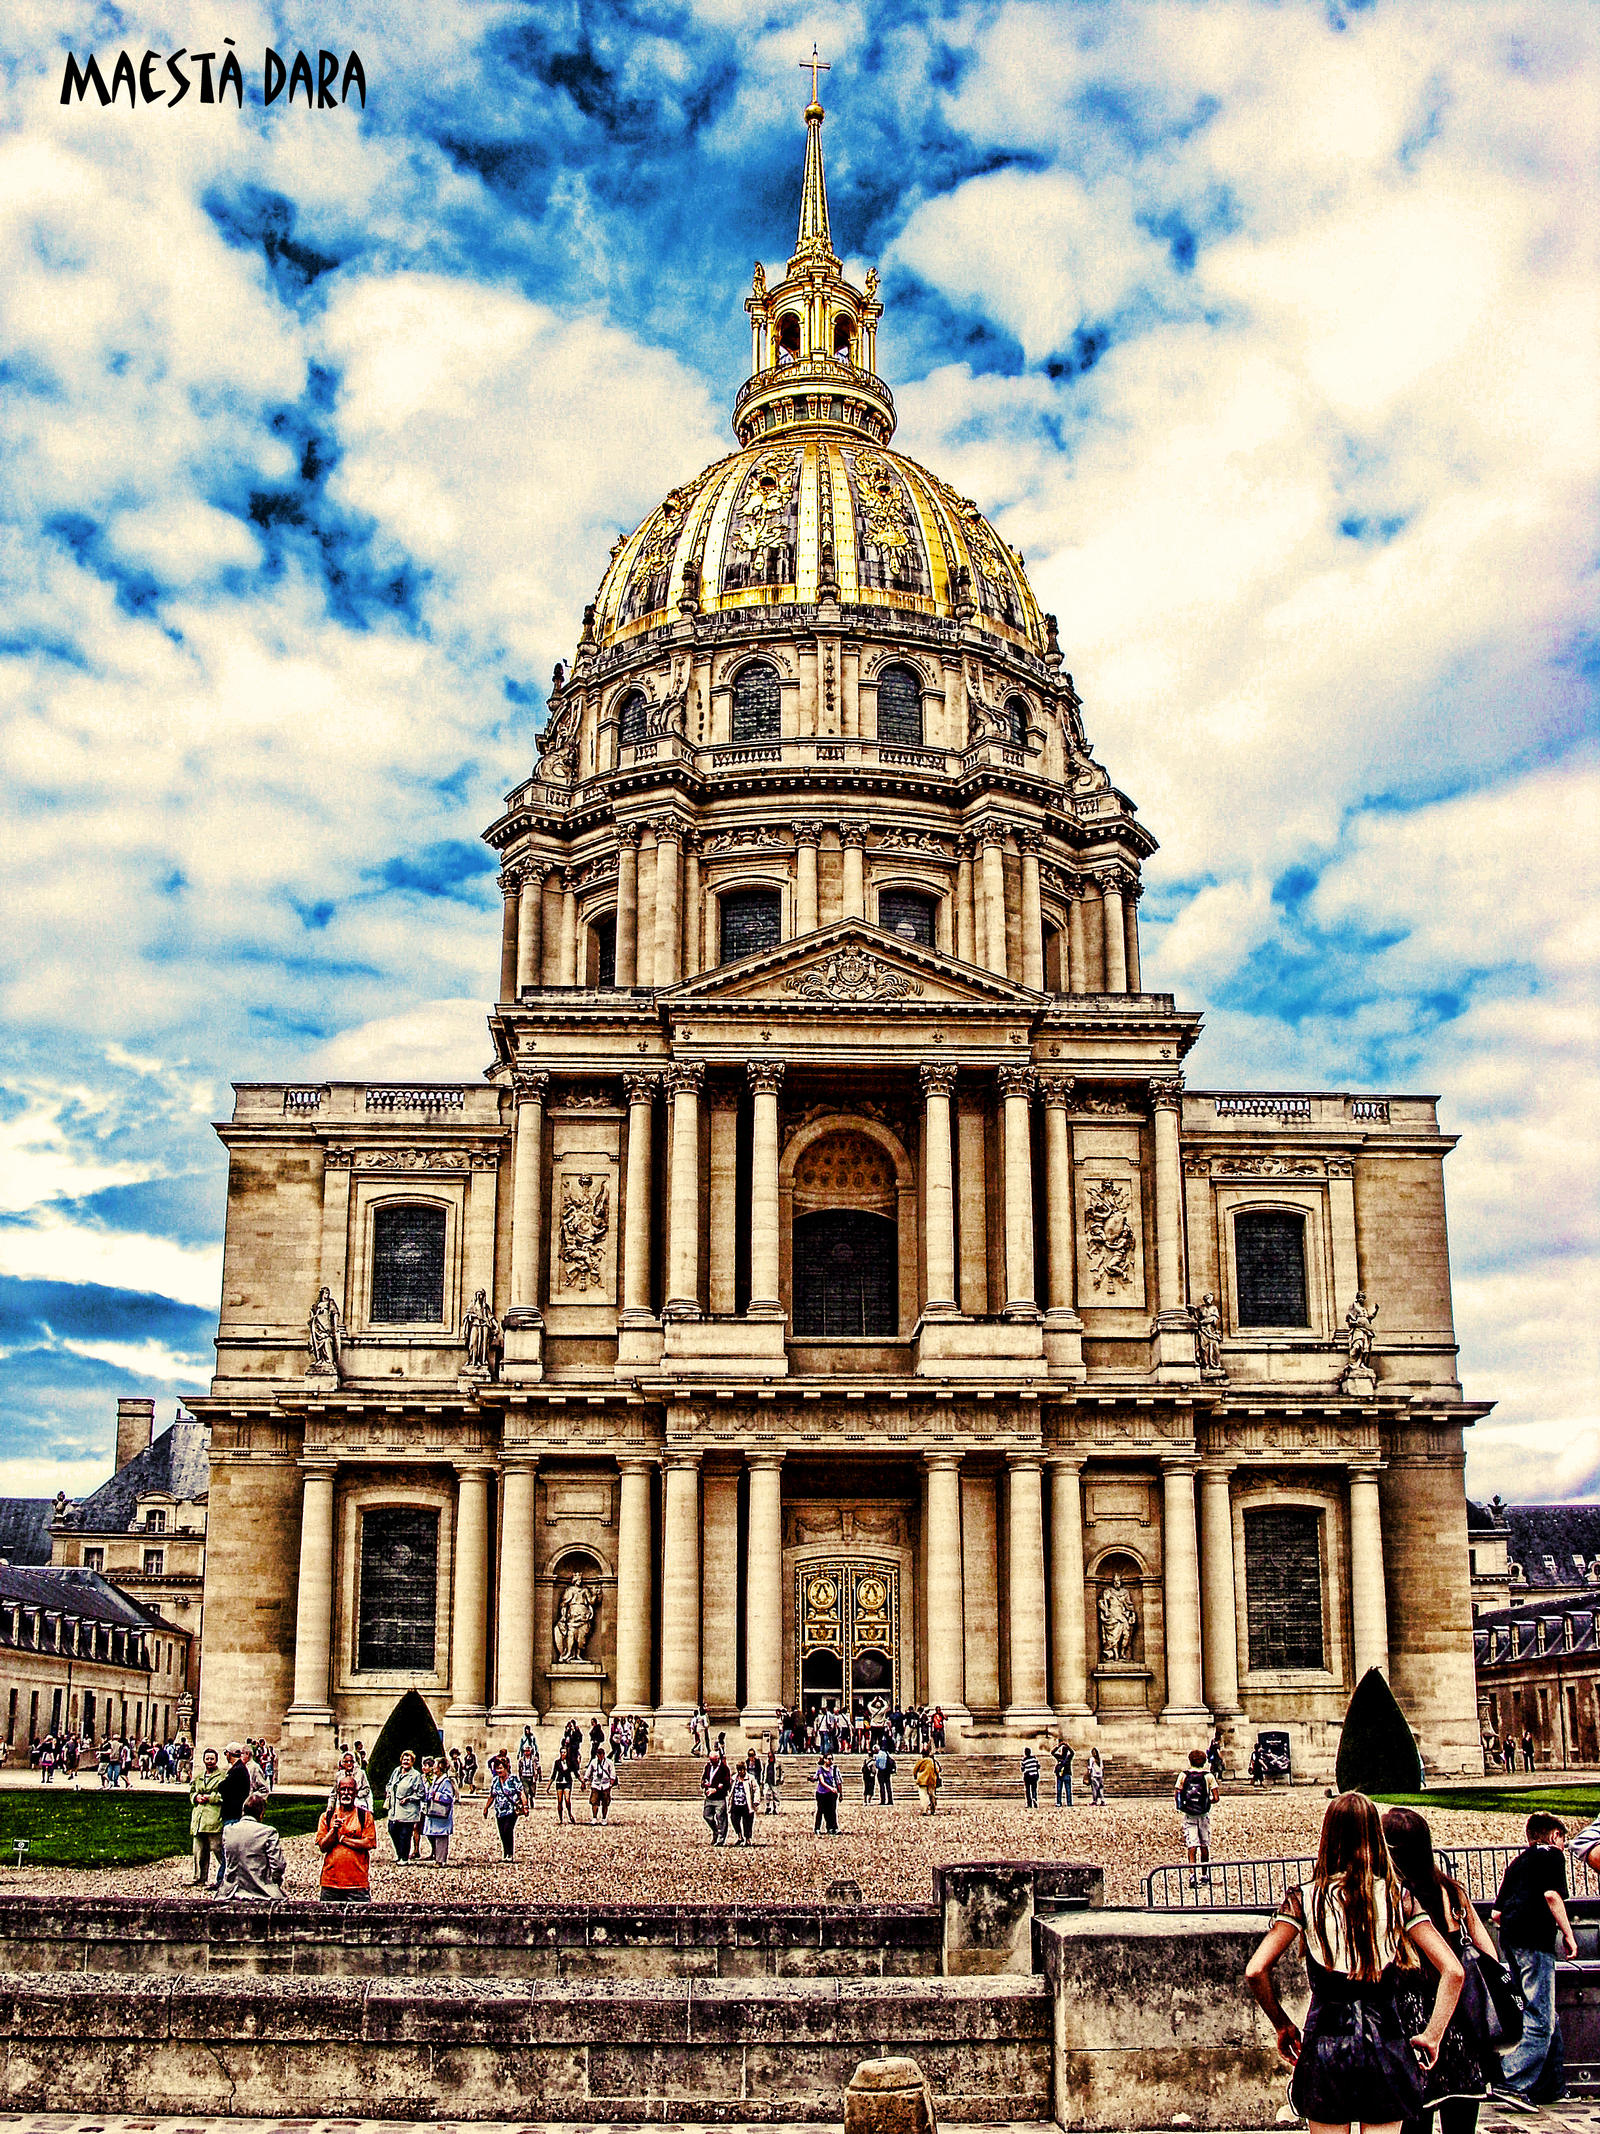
<point x="846" y="1274"/>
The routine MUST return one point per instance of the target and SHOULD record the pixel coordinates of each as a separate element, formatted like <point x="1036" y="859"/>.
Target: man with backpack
<point x="886" y="1767"/>
<point x="1062" y="1756"/>
<point x="1194" y="1791"/>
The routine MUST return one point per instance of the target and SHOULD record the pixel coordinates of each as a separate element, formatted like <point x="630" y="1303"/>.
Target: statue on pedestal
<point x="575" y="1618"/>
<point x="480" y="1335"/>
<point x="324" y="1335"/>
<point x="1119" y="1621"/>
<point x="1208" y="1337"/>
<point x="1361" y="1319"/>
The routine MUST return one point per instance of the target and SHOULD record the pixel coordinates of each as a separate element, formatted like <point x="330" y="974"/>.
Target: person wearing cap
<point x="345" y="1838"/>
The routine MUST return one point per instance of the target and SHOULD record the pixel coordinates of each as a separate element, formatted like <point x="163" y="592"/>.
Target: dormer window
<point x="155" y="1522"/>
<point x="1550" y="1567"/>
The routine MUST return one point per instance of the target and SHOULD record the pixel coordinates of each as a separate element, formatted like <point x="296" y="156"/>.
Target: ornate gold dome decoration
<point x="815" y="507"/>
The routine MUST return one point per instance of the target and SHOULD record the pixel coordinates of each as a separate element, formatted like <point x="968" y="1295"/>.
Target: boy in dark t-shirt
<point x="1532" y="1913"/>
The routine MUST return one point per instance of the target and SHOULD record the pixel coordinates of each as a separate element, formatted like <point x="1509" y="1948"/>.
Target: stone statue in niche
<point x="480" y="1335"/>
<point x="1108" y="1227"/>
<point x="585" y="1226"/>
<point x="1208" y="1336"/>
<point x="575" y="1618"/>
<point x="324" y="1335"/>
<point x="1119" y="1622"/>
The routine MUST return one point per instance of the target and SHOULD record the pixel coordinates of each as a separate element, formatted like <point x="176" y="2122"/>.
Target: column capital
<point x="1109" y="881"/>
<point x="992" y="833"/>
<point x="318" y="1463"/>
<point x="1341" y="1167"/>
<point x="938" y="1077"/>
<point x="628" y="834"/>
<point x="510" y="880"/>
<point x="1015" y="1081"/>
<point x="766" y="1076"/>
<point x="1175" y="1463"/>
<point x="1028" y="1458"/>
<point x="1075" y="1461"/>
<point x="638" y="1462"/>
<point x="1214" y="1469"/>
<point x="668" y="827"/>
<point x="808" y="833"/>
<point x="516" y="1463"/>
<point x="529" y="1084"/>
<point x="1166" y="1092"/>
<point x="1132" y="888"/>
<point x="642" y="1086"/>
<point x="474" y="1469"/>
<point x="1029" y="843"/>
<point x="763" y="1459"/>
<point x="686" y="1078"/>
<point x="853" y="834"/>
<point x="678" y="1458"/>
<point x="1056" y="1088"/>
<point x="1365" y="1470"/>
<point x="942" y="1462"/>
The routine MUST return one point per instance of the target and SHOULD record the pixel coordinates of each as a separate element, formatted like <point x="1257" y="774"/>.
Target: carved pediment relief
<point x="854" y="965"/>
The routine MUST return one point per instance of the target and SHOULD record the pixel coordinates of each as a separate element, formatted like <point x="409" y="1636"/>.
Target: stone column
<point x="645" y="927"/>
<point x="1116" y="942"/>
<point x="1369" y="1606"/>
<point x="313" y="1619"/>
<point x="569" y="926"/>
<point x="763" y="1595"/>
<point x="692" y="928"/>
<point x="627" y="904"/>
<point x="527" y="1185"/>
<point x="680" y="1600"/>
<point x="1056" y="1089"/>
<point x="724" y="1199"/>
<point x="683" y="1279"/>
<point x="966" y="935"/>
<point x="1166" y="1103"/>
<point x="1077" y="948"/>
<point x="509" y="890"/>
<point x="994" y="899"/>
<point x="514" y="1706"/>
<point x="1069" y="1664"/>
<point x="635" y="1586"/>
<point x="1032" y="912"/>
<point x="669" y="911"/>
<point x="1132" y="890"/>
<point x="807" y="837"/>
<point x="640" y="1090"/>
<point x="853" y="837"/>
<point x="1181" y="1594"/>
<point x="470" y="1608"/>
<point x="946" y="1612"/>
<point x="766" y="1079"/>
<point x="530" y="926"/>
<point x="1016" y="1088"/>
<point x="1218" y="1602"/>
<point x="938" y="1183"/>
<point x="1029" y="1707"/>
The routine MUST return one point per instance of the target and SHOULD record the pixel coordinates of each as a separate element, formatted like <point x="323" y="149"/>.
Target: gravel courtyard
<point x="657" y="1853"/>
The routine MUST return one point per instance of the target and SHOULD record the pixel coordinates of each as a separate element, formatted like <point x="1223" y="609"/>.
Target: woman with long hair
<point x="1354" y="2064"/>
<point x="1468" y="2064"/>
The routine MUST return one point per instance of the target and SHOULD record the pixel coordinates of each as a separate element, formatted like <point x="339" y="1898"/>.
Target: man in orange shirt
<point x="345" y="1838"/>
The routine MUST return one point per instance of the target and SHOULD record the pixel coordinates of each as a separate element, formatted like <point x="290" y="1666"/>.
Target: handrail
<point x="1260" y="1885"/>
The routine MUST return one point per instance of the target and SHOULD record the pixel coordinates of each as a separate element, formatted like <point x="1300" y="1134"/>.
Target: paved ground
<point x="652" y="1853"/>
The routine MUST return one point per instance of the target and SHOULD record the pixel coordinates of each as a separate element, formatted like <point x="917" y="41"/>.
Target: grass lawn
<point x="1574" y="1804"/>
<point x="91" y="1828"/>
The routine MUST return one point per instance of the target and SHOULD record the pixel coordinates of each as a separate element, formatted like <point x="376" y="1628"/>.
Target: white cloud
<point x="51" y="1249"/>
<point x="43" y="1478"/>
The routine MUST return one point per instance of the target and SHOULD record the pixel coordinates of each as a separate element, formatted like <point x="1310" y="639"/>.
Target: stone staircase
<point x="972" y="1775"/>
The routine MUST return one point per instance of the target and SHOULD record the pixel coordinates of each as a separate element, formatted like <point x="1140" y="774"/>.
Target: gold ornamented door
<point x="847" y="1635"/>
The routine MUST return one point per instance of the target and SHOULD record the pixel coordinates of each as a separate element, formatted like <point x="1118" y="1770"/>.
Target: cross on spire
<point x="817" y="66"/>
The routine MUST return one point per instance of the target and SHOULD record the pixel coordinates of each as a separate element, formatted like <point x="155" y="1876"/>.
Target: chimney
<point x="136" y="1423"/>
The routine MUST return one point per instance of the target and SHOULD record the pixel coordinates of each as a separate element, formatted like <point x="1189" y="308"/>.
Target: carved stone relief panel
<point x="584" y="1175"/>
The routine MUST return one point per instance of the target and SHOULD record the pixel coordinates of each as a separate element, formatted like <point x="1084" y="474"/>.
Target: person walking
<point x="1194" y="1791"/>
<point x="1468" y="2065"/>
<point x="1097" y="1778"/>
<point x="252" y="1856"/>
<point x="528" y="1770"/>
<point x="349" y="1767"/>
<point x="827" y="1817"/>
<point x="439" y="1813"/>
<point x="601" y="1779"/>
<point x="1061" y="1756"/>
<point x="562" y="1774"/>
<point x="1362" y="1933"/>
<point x="741" y="1808"/>
<point x="205" y="1816"/>
<point x="404" y="1799"/>
<point x="771" y="1781"/>
<point x="346" y="1836"/>
<point x="716" y="1784"/>
<point x="927" y="1778"/>
<point x="886" y="1769"/>
<point x="1030" y="1777"/>
<point x="869" y="1777"/>
<point x="506" y="1800"/>
<point x="1531" y="1909"/>
<point x="1527" y="1750"/>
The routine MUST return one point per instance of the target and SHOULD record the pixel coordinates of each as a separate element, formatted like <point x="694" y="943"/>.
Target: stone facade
<point x="870" y="1313"/>
<point x="78" y="1656"/>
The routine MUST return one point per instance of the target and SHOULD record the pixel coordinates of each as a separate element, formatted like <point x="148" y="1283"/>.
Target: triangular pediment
<point x="853" y="965"/>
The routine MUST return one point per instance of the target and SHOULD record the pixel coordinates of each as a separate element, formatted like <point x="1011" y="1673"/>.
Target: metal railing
<point x="1260" y="1885"/>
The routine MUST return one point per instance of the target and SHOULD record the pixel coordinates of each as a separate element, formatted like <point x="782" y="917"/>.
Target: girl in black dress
<point x="1354" y="2064"/>
<point x="1460" y="2078"/>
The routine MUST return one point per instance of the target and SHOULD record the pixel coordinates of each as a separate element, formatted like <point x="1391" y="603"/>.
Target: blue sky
<point x="1267" y="332"/>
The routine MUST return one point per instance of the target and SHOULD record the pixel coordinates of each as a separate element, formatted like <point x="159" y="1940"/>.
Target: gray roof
<point x="72" y="1591"/>
<point x="1561" y="1531"/>
<point x="25" y="1529"/>
<point x="177" y="1465"/>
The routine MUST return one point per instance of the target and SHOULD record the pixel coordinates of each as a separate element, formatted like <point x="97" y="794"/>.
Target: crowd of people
<point x="114" y="1760"/>
<point x="1501" y="1755"/>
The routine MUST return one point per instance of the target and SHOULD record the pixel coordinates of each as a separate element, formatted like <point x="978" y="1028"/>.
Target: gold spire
<point x="814" y="239"/>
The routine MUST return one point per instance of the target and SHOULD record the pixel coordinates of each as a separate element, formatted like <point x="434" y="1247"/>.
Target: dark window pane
<point x="846" y="1274"/>
<point x="756" y="713"/>
<point x="605" y="935"/>
<point x="900" y="707"/>
<point x="1017" y="719"/>
<point x="1283" y="1587"/>
<point x="752" y="919"/>
<point x="631" y="718"/>
<point x="1270" y="1253"/>
<point x="407" y="1265"/>
<point x="904" y="912"/>
<point x="399" y="1578"/>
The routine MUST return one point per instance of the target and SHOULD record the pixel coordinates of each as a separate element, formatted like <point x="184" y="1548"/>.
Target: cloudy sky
<point x="1268" y="333"/>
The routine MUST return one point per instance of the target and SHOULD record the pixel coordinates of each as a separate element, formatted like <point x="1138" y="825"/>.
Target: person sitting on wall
<point x="346" y="1836"/>
<point x="252" y="1855"/>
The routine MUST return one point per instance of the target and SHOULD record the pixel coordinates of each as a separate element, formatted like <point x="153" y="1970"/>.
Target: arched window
<point x="407" y="1265"/>
<point x="752" y="920"/>
<point x="908" y="913"/>
<point x="1269" y="1253"/>
<point x="788" y="337"/>
<point x="1055" y="959"/>
<point x="846" y="1274"/>
<point x="843" y="329"/>
<point x="900" y="707"/>
<point x="604" y="931"/>
<point x="1017" y="717"/>
<point x="632" y="718"/>
<point x="756" y="704"/>
<point x="1283" y="1586"/>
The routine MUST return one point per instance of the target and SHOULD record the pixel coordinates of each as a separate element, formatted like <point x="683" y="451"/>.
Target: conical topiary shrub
<point x="1377" y="1751"/>
<point x="409" y="1726"/>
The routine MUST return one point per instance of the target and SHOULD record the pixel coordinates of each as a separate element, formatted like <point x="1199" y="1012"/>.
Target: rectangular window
<point x="1283" y="1587"/>
<point x="88" y="1713"/>
<point x="1269" y="1252"/>
<point x="397" y="1603"/>
<point x="11" y="1718"/>
<point x="33" y="1716"/>
<point x="154" y="1561"/>
<point x="55" y="1711"/>
<point x="94" y="1559"/>
<point x="407" y="1265"/>
<point x="752" y="920"/>
<point x="155" y="1522"/>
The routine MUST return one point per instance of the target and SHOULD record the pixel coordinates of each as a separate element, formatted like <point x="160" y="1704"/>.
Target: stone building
<point x="1533" y="1555"/>
<point x="79" y="1656"/>
<point x="832" y="1291"/>
<point x="1538" y="1668"/>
